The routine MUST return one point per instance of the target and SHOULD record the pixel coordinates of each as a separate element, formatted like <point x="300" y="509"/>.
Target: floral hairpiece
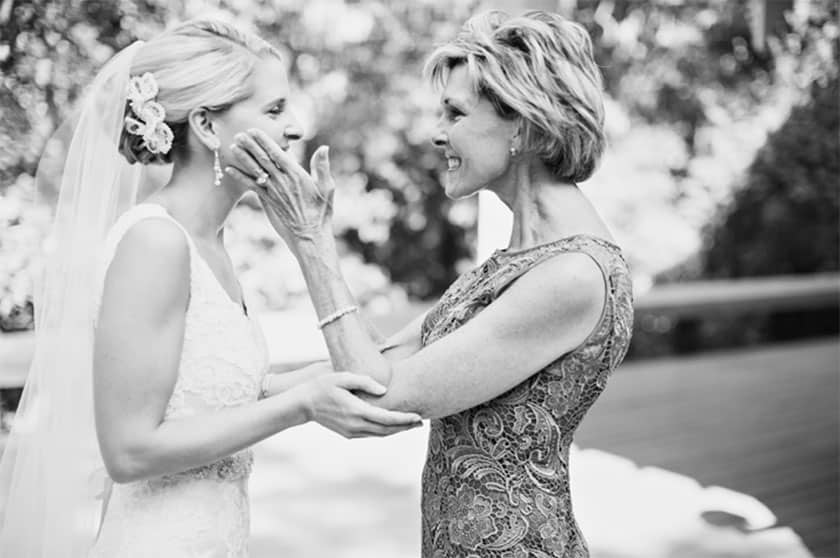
<point x="147" y="117"/>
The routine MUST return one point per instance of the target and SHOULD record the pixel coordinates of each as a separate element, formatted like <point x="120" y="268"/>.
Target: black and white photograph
<point x="419" y="279"/>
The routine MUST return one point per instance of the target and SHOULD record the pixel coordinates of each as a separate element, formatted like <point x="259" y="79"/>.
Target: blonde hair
<point x="540" y="67"/>
<point x="199" y="63"/>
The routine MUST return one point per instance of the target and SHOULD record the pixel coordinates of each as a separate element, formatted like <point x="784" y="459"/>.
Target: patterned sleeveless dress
<point x="496" y="479"/>
<point x="202" y="512"/>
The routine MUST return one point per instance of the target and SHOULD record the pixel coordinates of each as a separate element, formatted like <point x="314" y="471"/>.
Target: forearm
<point x="407" y="394"/>
<point x="185" y="443"/>
<point x="350" y="343"/>
<point x="279" y="382"/>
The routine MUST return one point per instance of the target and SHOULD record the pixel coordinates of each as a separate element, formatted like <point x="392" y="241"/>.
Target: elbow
<point x="408" y="393"/>
<point x="431" y="411"/>
<point x="382" y="373"/>
<point x="386" y="372"/>
<point x="420" y="401"/>
<point x="122" y="467"/>
<point x="120" y="472"/>
<point x="397" y="398"/>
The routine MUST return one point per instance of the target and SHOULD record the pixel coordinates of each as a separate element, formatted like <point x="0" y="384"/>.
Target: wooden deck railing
<point x="757" y="294"/>
<point x="692" y="299"/>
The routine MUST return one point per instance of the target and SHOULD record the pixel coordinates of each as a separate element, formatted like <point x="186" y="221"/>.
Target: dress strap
<point x="119" y="229"/>
<point x="515" y="264"/>
<point x="617" y="313"/>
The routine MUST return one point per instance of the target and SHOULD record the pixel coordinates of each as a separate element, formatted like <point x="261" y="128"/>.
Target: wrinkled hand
<point x="331" y="404"/>
<point x="297" y="203"/>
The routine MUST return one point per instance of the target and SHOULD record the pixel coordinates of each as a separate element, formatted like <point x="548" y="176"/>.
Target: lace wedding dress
<point x="202" y="512"/>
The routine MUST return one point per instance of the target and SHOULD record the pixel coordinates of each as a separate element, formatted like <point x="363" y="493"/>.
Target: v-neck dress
<point x="201" y="512"/>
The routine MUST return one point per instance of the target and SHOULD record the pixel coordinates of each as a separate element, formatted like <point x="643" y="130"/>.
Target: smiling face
<point x="266" y="109"/>
<point x="475" y="140"/>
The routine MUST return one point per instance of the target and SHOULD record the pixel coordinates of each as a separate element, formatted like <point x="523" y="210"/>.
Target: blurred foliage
<point x="48" y="52"/>
<point x="19" y="253"/>
<point x="691" y="96"/>
<point x="786" y="218"/>
<point x="783" y="217"/>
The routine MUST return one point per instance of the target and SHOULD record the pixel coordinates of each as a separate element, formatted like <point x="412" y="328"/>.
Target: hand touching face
<point x="298" y="204"/>
<point x="266" y="109"/>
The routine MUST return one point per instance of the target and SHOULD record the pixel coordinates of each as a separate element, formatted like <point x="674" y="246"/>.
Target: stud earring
<point x="513" y="151"/>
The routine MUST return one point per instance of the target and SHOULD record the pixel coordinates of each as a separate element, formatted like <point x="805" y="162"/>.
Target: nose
<point x="292" y="132"/>
<point x="440" y="140"/>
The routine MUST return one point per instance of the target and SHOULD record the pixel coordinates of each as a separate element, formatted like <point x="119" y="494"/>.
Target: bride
<point x="145" y="389"/>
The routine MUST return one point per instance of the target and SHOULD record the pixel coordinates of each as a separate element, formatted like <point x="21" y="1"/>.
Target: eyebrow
<point x="457" y="103"/>
<point x="278" y="101"/>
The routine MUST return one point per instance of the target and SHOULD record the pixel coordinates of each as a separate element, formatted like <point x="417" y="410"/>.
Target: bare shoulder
<point x="151" y="261"/>
<point x="563" y="280"/>
<point x="154" y="236"/>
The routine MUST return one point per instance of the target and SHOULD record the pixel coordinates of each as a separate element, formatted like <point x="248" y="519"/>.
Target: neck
<point x="544" y="208"/>
<point x="195" y="201"/>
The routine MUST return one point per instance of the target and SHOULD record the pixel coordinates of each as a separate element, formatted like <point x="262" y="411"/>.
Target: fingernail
<point x="228" y="169"/>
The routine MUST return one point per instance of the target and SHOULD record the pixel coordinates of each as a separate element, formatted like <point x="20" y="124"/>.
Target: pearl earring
<point x="513" y="151"/>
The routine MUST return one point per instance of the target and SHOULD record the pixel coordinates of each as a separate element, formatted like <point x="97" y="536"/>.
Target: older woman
<point x="517" y="350"/>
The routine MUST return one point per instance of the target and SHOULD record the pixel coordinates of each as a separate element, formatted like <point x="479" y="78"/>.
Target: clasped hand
<point x="298" y="204"/>
<point x="329" y="401"/>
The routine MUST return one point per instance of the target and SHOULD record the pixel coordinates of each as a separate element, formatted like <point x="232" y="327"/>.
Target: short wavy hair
<point x="199" y="63"/>
<point x="540" y="67"/>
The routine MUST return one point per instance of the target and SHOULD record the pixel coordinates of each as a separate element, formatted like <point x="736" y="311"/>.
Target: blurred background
<point x="721" y="182"/>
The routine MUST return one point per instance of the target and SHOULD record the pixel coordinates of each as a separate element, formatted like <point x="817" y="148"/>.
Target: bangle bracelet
<point x="336" y="315"/>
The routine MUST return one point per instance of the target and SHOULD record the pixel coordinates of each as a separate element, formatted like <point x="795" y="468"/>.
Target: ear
<point x="201" y="124"/>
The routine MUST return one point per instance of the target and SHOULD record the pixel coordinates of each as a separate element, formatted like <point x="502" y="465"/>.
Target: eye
<point x="279" y="108"/>
<point x="453" y="113"/>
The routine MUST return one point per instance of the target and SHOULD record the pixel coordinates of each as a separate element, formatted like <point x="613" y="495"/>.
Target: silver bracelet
<point x="336" y="315"/>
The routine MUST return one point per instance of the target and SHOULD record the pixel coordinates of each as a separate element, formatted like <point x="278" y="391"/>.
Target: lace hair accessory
<point x="148" y="117"/>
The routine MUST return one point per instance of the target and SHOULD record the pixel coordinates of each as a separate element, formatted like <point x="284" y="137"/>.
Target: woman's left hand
<point x="298" y="204"/>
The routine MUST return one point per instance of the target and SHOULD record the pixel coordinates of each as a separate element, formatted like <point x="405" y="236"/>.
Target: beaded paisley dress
<point x="496" y="479"/>
<point x="202" y="512"/>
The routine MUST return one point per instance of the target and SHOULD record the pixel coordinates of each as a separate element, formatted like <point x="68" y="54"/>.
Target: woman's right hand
<point x="298" y="203"/>
<point x="329" y="401"/>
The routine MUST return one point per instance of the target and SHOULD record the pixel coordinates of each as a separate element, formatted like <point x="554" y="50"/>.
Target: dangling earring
<point x="217" y="168"/>
<point x="513" y="151"/>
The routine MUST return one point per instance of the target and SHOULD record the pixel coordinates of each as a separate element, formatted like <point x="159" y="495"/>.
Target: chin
<point x="458" y="189"/>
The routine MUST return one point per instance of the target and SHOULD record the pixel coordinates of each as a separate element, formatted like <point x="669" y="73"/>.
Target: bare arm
<point x="543" y="315"/>
<point x="280" y="382"/>
<point x="402" y="344"/>
<point x="546" y="313"/>
<point x="143" y="307"/>
<point x="406" y="341"/>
